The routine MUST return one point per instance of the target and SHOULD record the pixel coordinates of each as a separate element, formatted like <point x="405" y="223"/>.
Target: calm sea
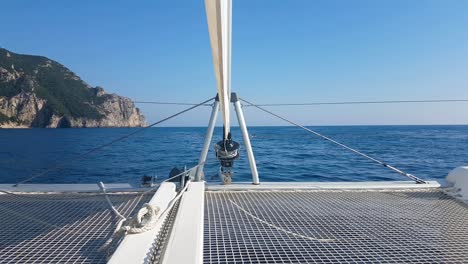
<point x="282" y="153"/>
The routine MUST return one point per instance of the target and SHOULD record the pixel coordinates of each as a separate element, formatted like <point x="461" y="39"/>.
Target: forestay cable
<point x="412" y="177"/>
<point x="84" y="155"/>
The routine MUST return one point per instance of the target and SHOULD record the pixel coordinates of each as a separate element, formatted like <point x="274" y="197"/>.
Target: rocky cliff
<point x="38" y="92"/>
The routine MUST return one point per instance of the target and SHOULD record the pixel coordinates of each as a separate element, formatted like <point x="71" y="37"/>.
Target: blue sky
<point x="283" y="51"/>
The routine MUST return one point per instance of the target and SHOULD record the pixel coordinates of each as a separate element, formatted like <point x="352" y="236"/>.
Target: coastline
<point x="11" y="125"/>
<point x="16" y="126"/>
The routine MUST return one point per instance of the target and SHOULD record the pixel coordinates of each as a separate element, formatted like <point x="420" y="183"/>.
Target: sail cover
<point x="218" y="14"/>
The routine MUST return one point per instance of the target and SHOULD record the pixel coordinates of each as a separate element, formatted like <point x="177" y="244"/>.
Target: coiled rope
<point x="146" y="218"/>
<point x="410" y="176"/>
<point x="86" y="154"/>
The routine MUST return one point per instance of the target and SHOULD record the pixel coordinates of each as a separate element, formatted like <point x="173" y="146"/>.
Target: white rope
<point x="147" y="217"/>
<point x="145" y="206"/>
<point x="116" y="212"/>
<point x="280" y="228"/>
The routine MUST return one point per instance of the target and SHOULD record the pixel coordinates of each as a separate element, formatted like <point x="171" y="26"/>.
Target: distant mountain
<point x="38" y="92"/>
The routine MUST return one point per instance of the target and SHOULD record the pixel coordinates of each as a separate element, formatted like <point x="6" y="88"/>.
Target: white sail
<point x="218" y="14"/>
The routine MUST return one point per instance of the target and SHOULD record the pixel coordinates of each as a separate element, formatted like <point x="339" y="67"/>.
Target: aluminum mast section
<point x="218" y="13"/>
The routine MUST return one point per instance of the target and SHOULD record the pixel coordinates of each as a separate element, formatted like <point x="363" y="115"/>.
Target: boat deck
<point x="334" y="226"/>
<point x="60" y="227"/>
<point x="374" y="222"/>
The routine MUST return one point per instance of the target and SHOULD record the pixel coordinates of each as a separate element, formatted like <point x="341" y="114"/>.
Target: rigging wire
<point x="366" y="102"/>
<point x="412" y="177"/>
<point x="84" y="155"/>
<point x="322" y="103"/>
<point x="167" y="103"/>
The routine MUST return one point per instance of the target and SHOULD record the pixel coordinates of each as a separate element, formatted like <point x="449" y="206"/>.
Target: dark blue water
<point x="282" y="153"/>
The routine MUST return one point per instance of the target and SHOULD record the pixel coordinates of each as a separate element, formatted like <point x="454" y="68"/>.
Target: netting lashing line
<point x="408" y="175"/>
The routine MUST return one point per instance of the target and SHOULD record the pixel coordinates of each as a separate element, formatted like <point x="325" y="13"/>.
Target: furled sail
<point x="219" y="13"/>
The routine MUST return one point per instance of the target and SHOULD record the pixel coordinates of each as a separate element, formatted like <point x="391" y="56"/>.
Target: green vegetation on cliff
<point x="3" y="118"/>
<point x="66" y="93"/>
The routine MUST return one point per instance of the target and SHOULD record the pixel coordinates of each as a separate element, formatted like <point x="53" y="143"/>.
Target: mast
<point x="219" y="17"/>
<point x="219" y="13"/>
